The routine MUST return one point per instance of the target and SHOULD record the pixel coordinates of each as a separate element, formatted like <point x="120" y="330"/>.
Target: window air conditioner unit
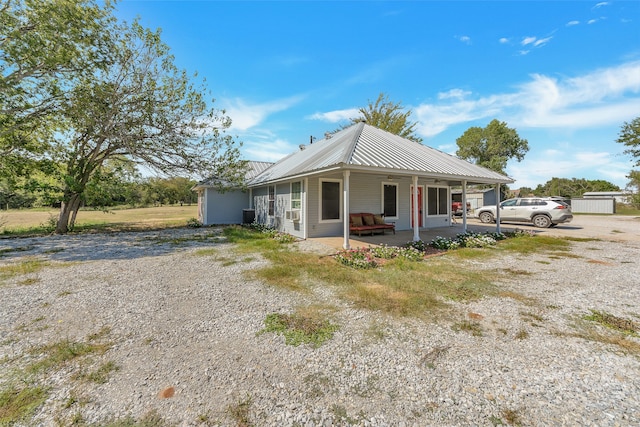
<point x="293" y="215"/>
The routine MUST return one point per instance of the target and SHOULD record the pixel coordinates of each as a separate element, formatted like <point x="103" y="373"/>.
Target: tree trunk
<point x="67" y="209"/>
<point x="74" y="212"/>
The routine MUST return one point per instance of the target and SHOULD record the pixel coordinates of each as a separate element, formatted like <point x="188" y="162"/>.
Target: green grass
<point x="18" y="404"/>
<point x="401" y="287"/>
<point x="308" y="325"/>
<point x="29" y="265"/>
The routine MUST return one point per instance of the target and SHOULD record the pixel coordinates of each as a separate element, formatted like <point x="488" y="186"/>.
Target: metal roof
<point x="365" y="147"/>
<point x="254" y="168"/>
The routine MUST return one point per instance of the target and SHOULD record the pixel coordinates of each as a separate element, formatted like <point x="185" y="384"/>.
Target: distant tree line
<point x="107" y="189"/>
<point x="569" y="188"/>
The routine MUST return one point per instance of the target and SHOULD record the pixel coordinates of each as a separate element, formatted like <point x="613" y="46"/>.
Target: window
<point x="272" y="200"/>
<point x="390" y="200"/>
<point x="296" y="195"/>
<point x="330" y="200"/>
<point x="443" y="201"/>
<point x="437" y="201"/>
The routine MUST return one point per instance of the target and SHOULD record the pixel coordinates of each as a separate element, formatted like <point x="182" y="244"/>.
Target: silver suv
<point x="541" y="212"/>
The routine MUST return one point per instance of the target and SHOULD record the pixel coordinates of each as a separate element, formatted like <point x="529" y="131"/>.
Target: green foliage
<point x="621" y="324"/>
<point x="634" y="187"/>
<point x="365" y="258"/>
<point x="300" y="328"/>
<point x="630" y="138"/>
<point x="571" y="188"/>
<point x="492" y="147"/>
<point x="194" y="223"/>
<point x="389" y="116"/>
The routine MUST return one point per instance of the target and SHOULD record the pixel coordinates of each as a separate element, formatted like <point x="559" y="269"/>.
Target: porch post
<point x="497" y="208"/>
<point x="345" y="204"/>
<point x="464" y="206"/>
<point x="251" y="198"/>
<point x="416" y="220"/>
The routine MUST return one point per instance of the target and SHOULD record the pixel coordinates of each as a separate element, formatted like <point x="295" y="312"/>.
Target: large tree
<point x="144" y="109"/>
<point x="633" y="186"/>
<point x="45" y="45"/>
<point x="389" y="116"/>
<point x="492" y="146"/>
<point x="630" y="137"/>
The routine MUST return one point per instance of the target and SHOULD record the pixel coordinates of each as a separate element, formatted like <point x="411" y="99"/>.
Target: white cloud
<point x="572" y="23"/>
<point x="336" y="115"/>
<point x="534" y="41"/>
<point x="246" y="116"/>
<point x="267" y="150"/>
<point x="604" y="97"/>
<point x="567" y="164"/>
<point x="542" y="42"/>
<point x="601" y="4"/>
<point x="504" y="40"/>
<point x="454" y="93"/>
<point x="464" y="39"/>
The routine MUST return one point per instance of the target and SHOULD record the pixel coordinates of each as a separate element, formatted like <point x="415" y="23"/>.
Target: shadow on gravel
<point x="106" y="246"/>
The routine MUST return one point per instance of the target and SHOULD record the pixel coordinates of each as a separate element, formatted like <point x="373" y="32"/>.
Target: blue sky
<point x="564" y="74"/>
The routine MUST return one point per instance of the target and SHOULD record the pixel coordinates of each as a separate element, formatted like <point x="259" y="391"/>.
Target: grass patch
<point x="55" y="355"/>
<point x="308" y="325"/>
<point x="100" y="375"/>
<point x="534" y="244"/>
<point x="240" y="412"/>
<point x="468" y="326"/>
<point x="28" y="266"/>
<point x="18" y="404"/>
<point x="616" y="331"/>
<point x="620" y="324"/>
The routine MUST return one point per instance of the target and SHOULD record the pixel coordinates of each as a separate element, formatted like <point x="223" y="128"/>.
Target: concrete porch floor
<point x="403" y="236"/>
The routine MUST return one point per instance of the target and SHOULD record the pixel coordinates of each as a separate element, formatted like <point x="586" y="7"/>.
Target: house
<point x="311" y="192"/>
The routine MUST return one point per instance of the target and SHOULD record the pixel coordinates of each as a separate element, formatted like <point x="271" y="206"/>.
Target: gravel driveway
<point x="184" y="350"/>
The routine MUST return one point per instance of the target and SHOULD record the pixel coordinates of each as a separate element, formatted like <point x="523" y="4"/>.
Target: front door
<point x="419" y="206"/>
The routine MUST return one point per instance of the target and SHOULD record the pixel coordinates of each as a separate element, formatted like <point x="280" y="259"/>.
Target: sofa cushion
<point x="368" y="219"/>
<point x="378" y="220"/>
<point x="356" y="220"/>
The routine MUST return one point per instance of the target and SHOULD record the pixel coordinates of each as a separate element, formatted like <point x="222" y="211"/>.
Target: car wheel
<point x="486" y="217"/>
<point x="541" y="221"/>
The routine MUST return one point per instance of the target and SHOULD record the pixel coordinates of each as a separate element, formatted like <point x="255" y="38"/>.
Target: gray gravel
<point x="180" y="319"/>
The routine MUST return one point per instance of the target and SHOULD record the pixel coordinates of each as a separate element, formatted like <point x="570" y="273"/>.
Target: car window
<point x="527" y="202"/>
<point x="512" y="202"/>
<point x="541" y="203"/>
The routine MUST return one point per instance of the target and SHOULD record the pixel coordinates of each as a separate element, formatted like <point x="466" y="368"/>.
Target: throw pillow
<point x="378" y="220"/>
<point x="368" y="219"/>
<point x="356" y="220"/>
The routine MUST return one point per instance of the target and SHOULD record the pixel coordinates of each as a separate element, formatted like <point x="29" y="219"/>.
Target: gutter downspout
<point x="345" y="205"/>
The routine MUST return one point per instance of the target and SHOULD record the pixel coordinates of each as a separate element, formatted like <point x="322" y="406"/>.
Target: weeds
<point x="28" y="266"/>
<point x="306" y="326"/>
<point x="20" y="403"/>
<point x="620" y="324"/>
<point x="241" y="411"/>
<point x="468" y="326"/>
<point x="100" y="375"/>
